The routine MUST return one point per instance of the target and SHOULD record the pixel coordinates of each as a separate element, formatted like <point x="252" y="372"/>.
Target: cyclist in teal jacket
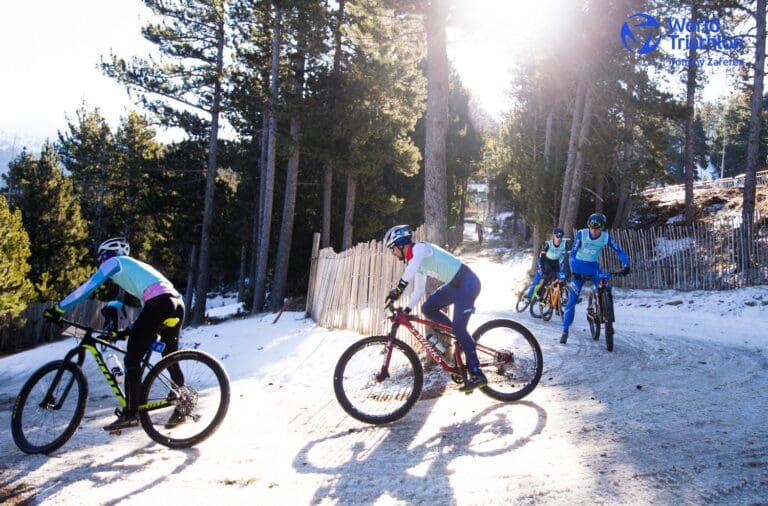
<point x="551" y="261"/>
<point x="160" y="302"/>
<point x="584" y="259"/>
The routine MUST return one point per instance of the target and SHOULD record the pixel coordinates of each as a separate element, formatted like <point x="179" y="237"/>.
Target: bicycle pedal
<point x="116" y="432"/>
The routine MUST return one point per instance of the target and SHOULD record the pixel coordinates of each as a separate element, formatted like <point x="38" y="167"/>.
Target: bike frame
<point x="401" y="318"/>
<point x="88" y="343"/>
<point x="603" y="287"/>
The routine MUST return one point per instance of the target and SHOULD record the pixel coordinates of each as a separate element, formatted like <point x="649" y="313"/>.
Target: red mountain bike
<point x="378" y="379"/>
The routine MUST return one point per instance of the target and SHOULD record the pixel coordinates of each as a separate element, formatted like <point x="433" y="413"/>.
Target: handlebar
<point x="120" y="335"/>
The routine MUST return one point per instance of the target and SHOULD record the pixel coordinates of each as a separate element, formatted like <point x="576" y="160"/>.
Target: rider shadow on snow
<point x="380" y="461"/>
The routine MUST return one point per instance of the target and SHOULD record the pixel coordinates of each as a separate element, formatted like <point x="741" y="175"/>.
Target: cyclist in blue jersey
<point x="111" y="313"/>
<point x="461" y="288"/>
<point x="551" y="261"/>
<point x="160" y="302"/>
<point x="584" y="259"/>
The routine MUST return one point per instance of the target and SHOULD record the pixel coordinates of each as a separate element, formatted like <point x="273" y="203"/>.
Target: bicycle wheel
<point x="593" y="316"/>
<point x="607" y="305"/>
<point x="199" y="399"/>
<point x="510" y="357"/>
<point x="42" y="425"/>
<point x="522" y="303"/>
<point x="370" y="393"/>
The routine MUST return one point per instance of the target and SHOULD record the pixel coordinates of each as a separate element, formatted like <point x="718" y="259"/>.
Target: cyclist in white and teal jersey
<point x="461" y="288"/>
<point x="551" y="261"/>
<point x="584" y="259"/>
<point x="160" y="302"/>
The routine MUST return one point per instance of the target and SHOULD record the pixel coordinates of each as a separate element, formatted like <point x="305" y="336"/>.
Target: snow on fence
<point x="347" y="290"/>
<point x="727" y="182"/>
<point x="702" y="256"/>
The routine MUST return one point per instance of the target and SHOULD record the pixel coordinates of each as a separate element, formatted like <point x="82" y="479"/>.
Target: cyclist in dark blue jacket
<point x="585" y="256"/>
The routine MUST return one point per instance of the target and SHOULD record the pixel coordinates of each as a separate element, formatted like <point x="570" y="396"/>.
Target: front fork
<point x="384" y="372"/>
<point x="48" y="400"/>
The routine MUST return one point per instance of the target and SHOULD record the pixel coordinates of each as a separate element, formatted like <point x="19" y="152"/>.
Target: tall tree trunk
<point x="622" y="208"/>
<point x="690" y="97"/>
<point x="325" y="235"/>
<point x="435" y="179"/>
<point x="279" y="286"/>
<point x="259" y="287"/>
<point x="536" y="238"/>
<point x="262" y="168"/>
<point x="578" y="111"/>
<point x="201" y="289"/>
<point x="349" y="211"/>
<point x="572" y="208"/>
<point x="753" y="147"/>
<point x="548" y="137"/>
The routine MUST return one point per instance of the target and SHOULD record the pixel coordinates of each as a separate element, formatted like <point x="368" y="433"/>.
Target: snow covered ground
<point x="678" y="413"/>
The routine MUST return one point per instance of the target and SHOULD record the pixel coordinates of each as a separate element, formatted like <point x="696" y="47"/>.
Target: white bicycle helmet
<point x="116" y="245"/>
<point x="398" y="236"/>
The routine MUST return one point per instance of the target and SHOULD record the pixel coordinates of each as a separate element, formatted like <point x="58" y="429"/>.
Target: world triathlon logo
<point x="641" y="33"/>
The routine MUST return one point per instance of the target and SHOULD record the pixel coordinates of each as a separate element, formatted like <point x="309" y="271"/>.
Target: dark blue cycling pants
<point x="461" y="291"/>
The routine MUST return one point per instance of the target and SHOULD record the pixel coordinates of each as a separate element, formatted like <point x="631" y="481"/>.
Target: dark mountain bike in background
<point x="600" y="308"/>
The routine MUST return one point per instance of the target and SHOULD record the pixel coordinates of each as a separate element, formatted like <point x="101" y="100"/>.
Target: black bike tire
<point x="529" y="337"/>
<point x="608" y="318"/>
<point x="355" y="412"/>
<point x="594" y="319"/>
<point x="19" y="407"/>
<point x="522" y="300"/>
<point x="221" y="411"/>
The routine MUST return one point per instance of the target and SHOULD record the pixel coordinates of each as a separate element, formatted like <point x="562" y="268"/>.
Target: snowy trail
<point x="695" y="432"/>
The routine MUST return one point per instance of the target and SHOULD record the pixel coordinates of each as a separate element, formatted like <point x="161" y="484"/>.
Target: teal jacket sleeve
<point x="108" y="269"/>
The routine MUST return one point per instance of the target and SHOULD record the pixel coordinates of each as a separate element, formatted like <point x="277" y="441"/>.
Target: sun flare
<point x="487" y="37"/>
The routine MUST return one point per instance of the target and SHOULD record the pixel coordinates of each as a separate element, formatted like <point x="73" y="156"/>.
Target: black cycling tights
<point x="147" y="325"/>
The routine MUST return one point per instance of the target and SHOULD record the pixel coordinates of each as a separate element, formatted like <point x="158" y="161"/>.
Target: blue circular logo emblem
<point x="641" y="27"/>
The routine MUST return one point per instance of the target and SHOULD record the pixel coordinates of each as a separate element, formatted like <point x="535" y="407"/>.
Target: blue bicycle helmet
<point x="597" y="220"/>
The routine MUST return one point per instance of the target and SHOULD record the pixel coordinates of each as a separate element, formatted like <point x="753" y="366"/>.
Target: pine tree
<point x="16" y="290"/>
<point x="52" y="217"/>
<point x="138" y="156"/>
<point x="191" y="36"/>
<point x="87" y="152"/>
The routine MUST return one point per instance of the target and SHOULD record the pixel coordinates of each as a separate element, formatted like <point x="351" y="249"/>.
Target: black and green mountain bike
<point x="51" y="404"/>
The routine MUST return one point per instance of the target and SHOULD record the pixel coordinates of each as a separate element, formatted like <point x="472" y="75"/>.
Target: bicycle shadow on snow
<point x="98" y="473"/>
<point x="394" y="462"/>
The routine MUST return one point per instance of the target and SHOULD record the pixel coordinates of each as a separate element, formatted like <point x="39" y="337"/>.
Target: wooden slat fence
<point x="347" y="290"/>
<point x="702" y="256"/>
<point x="37" y="330"/>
